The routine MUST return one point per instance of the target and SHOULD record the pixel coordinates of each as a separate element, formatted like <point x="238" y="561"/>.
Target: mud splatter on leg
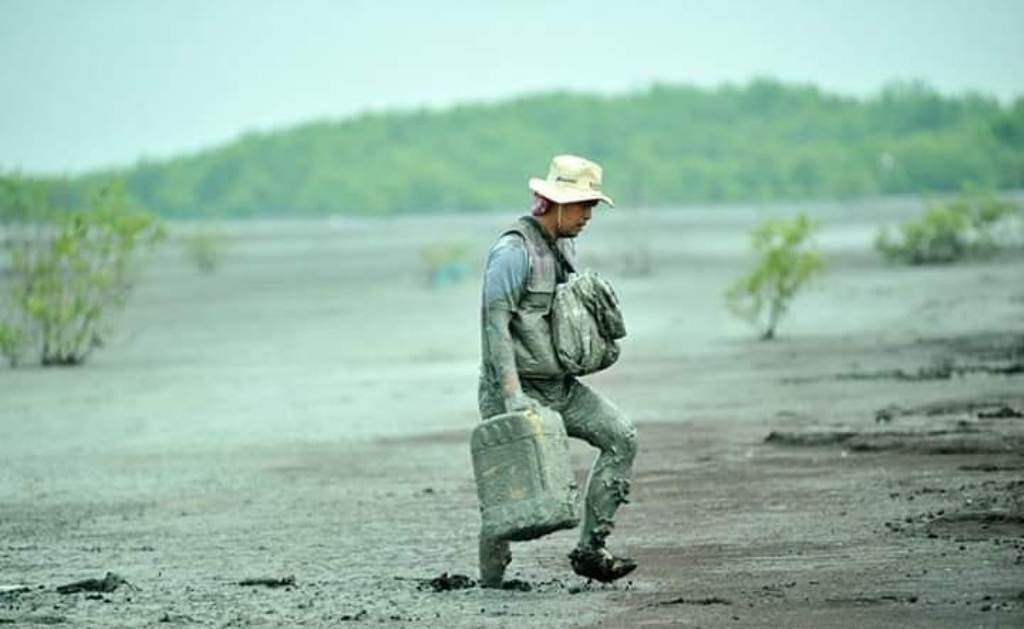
<point x="591" y="417"/>
<point x="495" y="556"/>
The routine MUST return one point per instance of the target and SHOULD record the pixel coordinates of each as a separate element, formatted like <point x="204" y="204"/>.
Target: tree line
<point x="666" y="145"/>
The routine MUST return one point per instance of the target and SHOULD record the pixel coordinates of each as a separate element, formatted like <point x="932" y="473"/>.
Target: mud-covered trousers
<point x="591" y="417"/>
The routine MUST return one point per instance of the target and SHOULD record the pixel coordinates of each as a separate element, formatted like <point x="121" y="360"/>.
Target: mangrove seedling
<point x="67" y="280"/>
<point x="949" y="232"/>
<point x="786" y="262"/>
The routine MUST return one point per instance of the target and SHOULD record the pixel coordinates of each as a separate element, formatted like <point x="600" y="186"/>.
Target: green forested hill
<point x="666" y="145"/>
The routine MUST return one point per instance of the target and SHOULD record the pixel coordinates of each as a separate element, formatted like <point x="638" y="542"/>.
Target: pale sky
<point x="94" y="83"/>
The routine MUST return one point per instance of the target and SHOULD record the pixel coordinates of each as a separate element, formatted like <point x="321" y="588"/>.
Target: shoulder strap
<point x="563" y="260"/>
<point x="552" y="245"/>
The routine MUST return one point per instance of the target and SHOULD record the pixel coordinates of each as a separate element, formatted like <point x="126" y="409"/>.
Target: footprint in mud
<point x="446" y="582"/>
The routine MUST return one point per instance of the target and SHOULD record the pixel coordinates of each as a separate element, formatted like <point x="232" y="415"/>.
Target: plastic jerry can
<point x="523" y="477"/>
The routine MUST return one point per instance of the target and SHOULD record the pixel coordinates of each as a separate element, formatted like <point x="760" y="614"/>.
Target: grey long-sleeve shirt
<point x="508" y="267"/>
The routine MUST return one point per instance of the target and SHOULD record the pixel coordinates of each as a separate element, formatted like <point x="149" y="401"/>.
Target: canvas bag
<point x="586" y="322"/>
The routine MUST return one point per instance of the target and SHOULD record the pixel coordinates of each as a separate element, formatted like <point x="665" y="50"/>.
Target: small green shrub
<point x="786" y="262"/>
<point x="204" y="248"/>
<point x="949" y="232"/>
<point x="66" y="280"/>
<point x="445" y="263"/>
<point x="12" y="342"/>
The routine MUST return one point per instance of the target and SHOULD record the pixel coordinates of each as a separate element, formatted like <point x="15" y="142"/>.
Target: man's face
<point x="575" y="217"/>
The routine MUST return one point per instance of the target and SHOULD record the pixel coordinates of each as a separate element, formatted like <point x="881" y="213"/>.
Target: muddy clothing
<point x="591" y="417"/>
<point x="519" y="288"/>
<point x="519" y="365"/>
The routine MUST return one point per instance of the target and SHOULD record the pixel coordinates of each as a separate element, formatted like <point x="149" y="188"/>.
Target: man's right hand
<point x="519" y="401"/>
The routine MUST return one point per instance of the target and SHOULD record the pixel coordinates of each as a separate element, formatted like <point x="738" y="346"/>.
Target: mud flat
<point x="285" y="443"/>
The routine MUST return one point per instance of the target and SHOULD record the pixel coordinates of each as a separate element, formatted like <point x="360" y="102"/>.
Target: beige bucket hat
<point x="571" y="179"/>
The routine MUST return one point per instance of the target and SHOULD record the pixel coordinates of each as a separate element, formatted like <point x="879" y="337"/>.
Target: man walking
<point x="520" y="367"/>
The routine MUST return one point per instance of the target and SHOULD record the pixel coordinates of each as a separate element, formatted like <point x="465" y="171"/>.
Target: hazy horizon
<point x="102" y="84"/>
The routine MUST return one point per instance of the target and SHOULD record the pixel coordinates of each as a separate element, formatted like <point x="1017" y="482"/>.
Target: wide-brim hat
<point x="571" y="179"/>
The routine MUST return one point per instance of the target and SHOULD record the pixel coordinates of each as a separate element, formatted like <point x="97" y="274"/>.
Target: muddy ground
<point x="301" y="417"/>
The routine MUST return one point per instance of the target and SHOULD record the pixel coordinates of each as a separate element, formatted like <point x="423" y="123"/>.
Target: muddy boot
<point x="494" y="557"/>
<point x="599" y="564"/>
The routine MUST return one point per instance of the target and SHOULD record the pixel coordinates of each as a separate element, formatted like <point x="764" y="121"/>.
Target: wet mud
<point x="728" y="529"/>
